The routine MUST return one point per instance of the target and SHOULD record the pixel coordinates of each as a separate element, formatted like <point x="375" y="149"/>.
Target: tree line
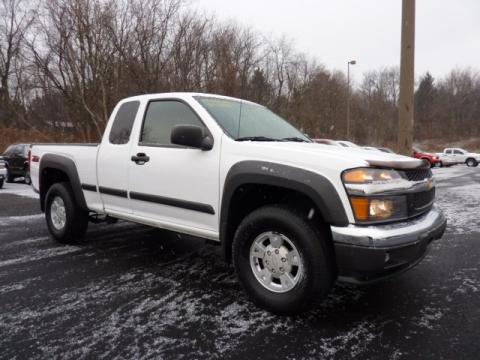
<point x="65" y="63"/>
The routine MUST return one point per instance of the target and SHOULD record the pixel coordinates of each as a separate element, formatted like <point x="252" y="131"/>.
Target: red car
<point x="432" y="159"/>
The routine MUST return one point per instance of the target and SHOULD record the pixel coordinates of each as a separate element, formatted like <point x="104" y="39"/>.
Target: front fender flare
<point x="317" y="187"/>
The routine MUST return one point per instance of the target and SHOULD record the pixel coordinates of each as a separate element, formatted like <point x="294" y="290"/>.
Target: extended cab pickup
<point x="452" y="156"/>
<point x="293" y="216"/>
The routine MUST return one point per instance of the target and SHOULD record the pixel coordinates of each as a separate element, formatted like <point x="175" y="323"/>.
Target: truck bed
<point x="84" y="157"/>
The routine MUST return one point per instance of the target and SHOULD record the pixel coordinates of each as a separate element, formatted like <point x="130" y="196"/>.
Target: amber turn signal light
<point x="360" y="208"/>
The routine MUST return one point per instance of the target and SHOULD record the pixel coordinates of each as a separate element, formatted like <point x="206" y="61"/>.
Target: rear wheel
<point x="1" y="183"/>
<point x="28" y="179"/>
<point x="10" y="177"/>
<point x="66" y="222"/>
<point x="471" y="162"/>
<point x="282" y="261"/>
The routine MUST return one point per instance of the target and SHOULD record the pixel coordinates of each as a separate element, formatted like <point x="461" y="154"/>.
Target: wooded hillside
<point x="65" y="63"/>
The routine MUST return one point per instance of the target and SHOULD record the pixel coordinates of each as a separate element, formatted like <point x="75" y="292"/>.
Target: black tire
<point x="10" y="177"/>
<point x="471" y="162"/>
<point x="28" y="179"/>
<point x="313" y="249"/>
<point x="430" y="165"/>
<point x="76" y="219"/>
<point x="1" y="183"/>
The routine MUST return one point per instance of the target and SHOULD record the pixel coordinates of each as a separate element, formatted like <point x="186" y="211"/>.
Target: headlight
<point x="377" y="209"/>
<point x="369" y="176"/>
<point x="369" y="191"/>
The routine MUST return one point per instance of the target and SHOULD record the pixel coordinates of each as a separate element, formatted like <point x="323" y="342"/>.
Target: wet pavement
<point x="135" y="292"/>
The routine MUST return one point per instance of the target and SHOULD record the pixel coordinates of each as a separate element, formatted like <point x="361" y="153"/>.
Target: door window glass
<point x="123" y="123"/>
<point x="458" y="152"/>
<point x="161" y="117"/>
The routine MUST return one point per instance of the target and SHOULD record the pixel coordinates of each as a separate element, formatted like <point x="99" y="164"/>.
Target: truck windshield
<point x="247" y="121"/>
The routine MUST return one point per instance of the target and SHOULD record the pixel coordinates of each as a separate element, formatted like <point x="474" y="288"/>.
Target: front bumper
<point x="370" y="253"/>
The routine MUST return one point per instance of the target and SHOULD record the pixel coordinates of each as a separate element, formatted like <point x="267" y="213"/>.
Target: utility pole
<point x="407" y="64"/>
<point x="351" y="62"/>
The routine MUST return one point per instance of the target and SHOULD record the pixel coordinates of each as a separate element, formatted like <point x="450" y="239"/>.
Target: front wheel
<point x="471" y="162"/>
<point x="66" y="222"/>
<point x="1" y="183"/>
<point x="282" y="260"/>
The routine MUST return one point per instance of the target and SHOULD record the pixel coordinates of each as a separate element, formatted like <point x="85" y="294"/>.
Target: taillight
<point x="29" y="157"/>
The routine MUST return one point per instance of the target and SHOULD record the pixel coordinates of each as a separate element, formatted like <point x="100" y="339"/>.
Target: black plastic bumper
<point x="386" y="256"/>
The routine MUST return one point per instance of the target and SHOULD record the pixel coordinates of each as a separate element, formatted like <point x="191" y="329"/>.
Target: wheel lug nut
<point x="268" y="252"/>
<point x="276" y="251"/>
<point x="283" y="259"/>
<point x="281" y="269"/>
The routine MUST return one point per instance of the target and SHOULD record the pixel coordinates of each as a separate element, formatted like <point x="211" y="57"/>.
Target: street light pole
<point x="351" y="62"/>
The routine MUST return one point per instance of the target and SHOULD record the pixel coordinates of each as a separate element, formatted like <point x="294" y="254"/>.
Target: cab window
<point x="161" y="117"/>
<point x="123" y="123"/>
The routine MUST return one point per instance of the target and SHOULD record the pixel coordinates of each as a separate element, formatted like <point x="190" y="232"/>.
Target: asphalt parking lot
<point x="134" y="292"/>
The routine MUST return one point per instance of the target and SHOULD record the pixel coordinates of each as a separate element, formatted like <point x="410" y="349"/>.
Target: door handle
<point x="140" y="158"/>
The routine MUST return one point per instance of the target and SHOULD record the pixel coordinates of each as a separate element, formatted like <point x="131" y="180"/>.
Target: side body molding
<point x="67" y="166"/>
<point x="318" y="188"/>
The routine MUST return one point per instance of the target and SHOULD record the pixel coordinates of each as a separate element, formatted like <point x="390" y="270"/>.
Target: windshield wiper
<point x="297" y="139"/>
<point x="256" y="138"/>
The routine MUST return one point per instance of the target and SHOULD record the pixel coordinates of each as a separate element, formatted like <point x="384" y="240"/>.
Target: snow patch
<point x="23" y="190"/>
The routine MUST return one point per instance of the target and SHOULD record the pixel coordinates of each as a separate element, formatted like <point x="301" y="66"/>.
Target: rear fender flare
<point x="67" y="166"/>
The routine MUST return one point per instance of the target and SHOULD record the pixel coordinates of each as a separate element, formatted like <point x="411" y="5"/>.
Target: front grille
<point x="418" y="174"/>
<point x="420" y="202"/>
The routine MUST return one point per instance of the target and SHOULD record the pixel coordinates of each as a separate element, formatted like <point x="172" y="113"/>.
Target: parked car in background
<point x="346" y="143"/>
<point x="371" y="148"/>
<point x="432" y="159"/>
<point x="459" y="156"/>
<point x="326" y="142"/>
<point x="16" y="159"/>
<point x="3" y="172"/>
<point x="386" y="150"/>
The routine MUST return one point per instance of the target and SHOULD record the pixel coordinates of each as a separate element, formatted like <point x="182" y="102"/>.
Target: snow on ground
<point x="458" y="195"/>
<point x="18" y="188"/>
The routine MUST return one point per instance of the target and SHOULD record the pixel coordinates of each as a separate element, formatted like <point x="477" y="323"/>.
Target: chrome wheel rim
<point x="58" y="213"/>
<point x="276" y="262"/>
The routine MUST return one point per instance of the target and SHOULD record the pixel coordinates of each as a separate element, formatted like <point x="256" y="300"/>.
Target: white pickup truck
<point x="293" y="216"/>
<point x="453" y="156"/>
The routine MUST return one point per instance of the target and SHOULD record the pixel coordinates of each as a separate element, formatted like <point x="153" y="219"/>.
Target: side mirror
<point x="191" y="136"/>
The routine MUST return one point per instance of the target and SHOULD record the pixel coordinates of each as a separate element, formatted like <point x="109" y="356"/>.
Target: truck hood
<point x="345" y="157"/>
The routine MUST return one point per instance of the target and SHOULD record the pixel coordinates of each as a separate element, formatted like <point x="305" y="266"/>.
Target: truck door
<point x="173" y="185"/>
<point x="113" y="158"/>
<point x="459" y="156"/>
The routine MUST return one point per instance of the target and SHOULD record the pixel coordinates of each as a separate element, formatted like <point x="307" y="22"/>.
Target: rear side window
<point x="161" y="117"/>
<point x="123" y="123"/>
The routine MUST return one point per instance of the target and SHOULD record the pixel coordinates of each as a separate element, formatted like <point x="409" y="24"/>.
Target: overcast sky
<point x="448" y="31"/>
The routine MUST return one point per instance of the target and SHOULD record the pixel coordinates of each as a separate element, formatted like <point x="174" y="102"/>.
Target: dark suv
<point x="16" y="159"/>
